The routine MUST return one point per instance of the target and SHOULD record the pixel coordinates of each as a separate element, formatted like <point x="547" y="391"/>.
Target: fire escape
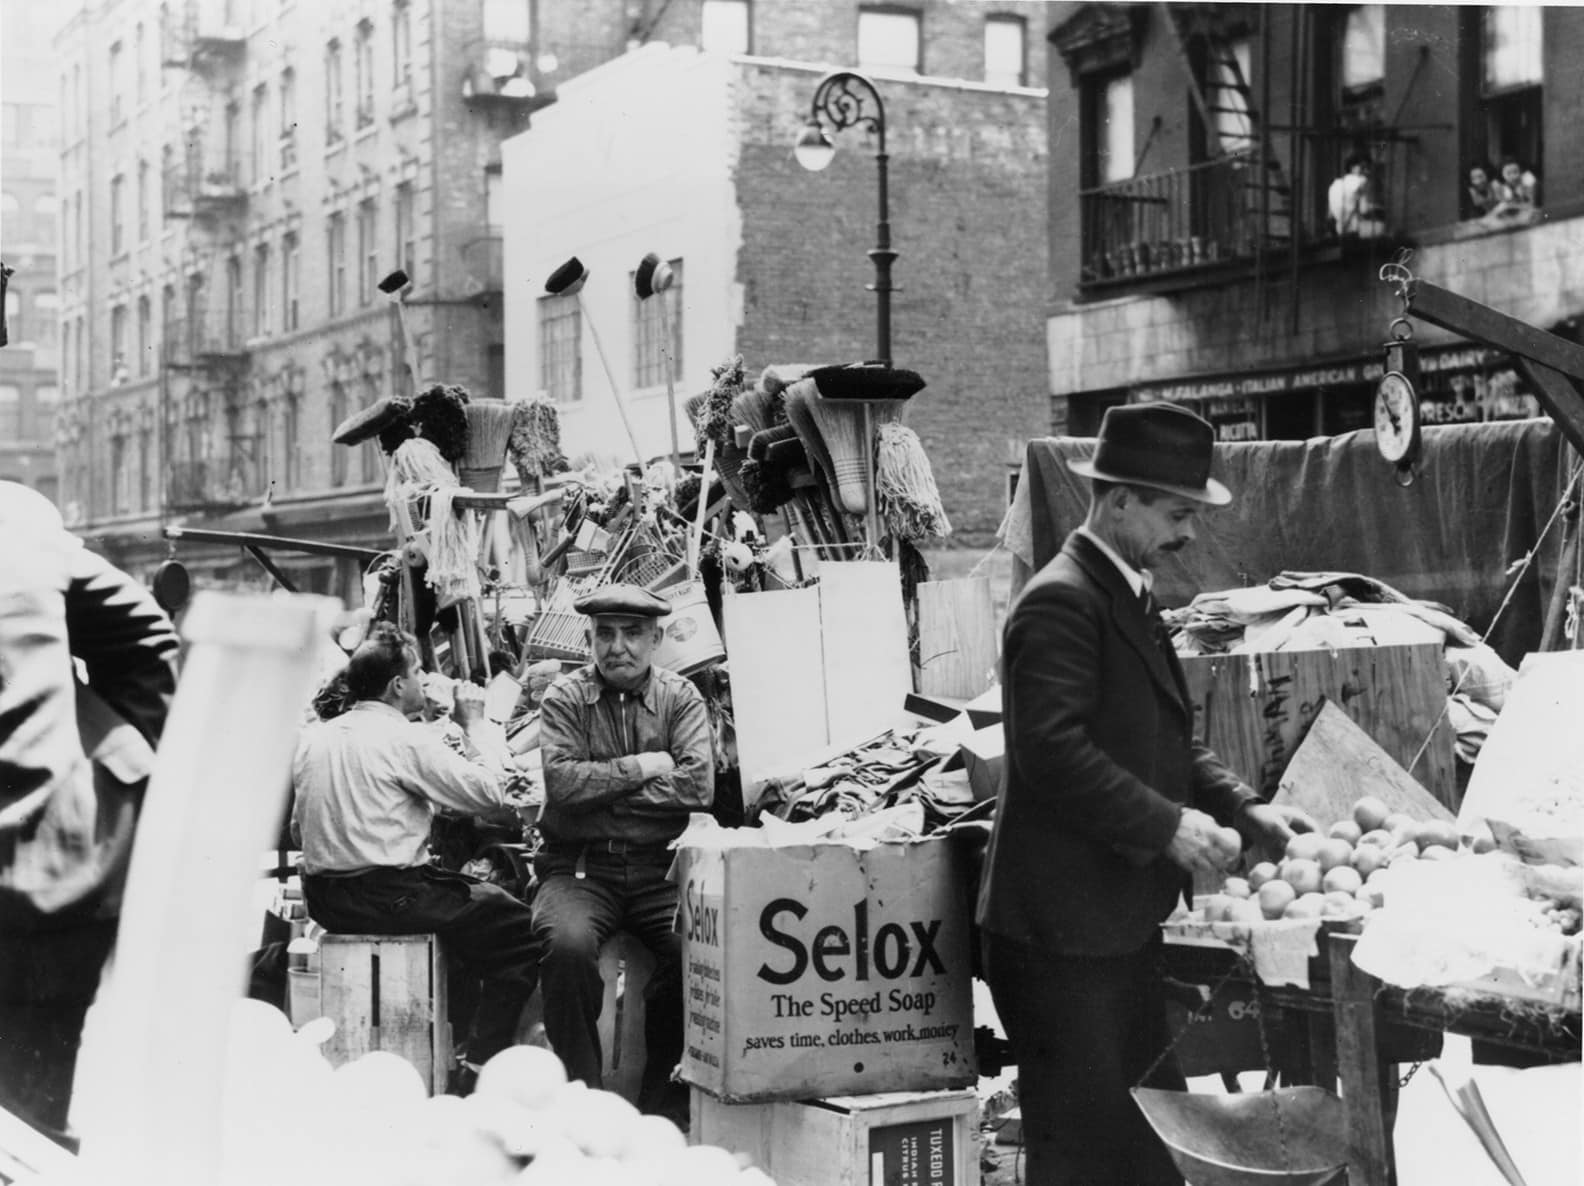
<point x="1253" y="198"/>
<point x="206" y="329"/>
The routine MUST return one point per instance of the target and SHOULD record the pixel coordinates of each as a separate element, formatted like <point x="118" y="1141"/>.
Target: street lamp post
<point x="842" y="100"/>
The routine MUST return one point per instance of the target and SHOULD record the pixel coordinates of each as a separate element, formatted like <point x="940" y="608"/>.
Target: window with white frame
<point x="890" y="40"/>
<point x="118" y="346"/>
<point x="368" y="250"/>
<point x="561" y="348"/>
<point x="724" y="26"/>
<point x="335" y="248"/>
<point x="260" y="138"/>
<point x="656" y="354"/>
<point x="363" y="73"/>
<point x="1005" y="51"/>
<point x="143" y="201"/>
<point x="401" y="43"/>
<point x="1512" y="77"/>
<point x="261" y="291"/>
<point x="291" y="280"/>
<point x="338" y="413"/>
<point x="145" y="337"/>
<point x="1106" y="105"/>
<point x="288" y="120"/>
<point x="332" y="91"/>
<point x="118" y="242"/>
<point x="117" y="84"/>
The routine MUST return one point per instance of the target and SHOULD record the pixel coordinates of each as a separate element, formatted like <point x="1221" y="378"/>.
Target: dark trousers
<point x="1084" y="1030"/>
<point x="573" y="916"/>
<point x="47" y="981"/>
<point x="487" y="934"/>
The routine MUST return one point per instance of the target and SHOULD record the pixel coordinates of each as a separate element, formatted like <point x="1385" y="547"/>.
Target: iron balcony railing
<point x="206" y="337"/>
<point x="204" y="485"/>
<point x="1230" y="210"/>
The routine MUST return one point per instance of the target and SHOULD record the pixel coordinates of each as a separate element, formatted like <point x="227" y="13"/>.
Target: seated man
<point x="367" y="783"/>
<point x="627" y="757"/>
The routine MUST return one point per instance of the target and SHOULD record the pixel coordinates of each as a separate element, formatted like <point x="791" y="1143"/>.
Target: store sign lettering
<point x="891" y="950"/>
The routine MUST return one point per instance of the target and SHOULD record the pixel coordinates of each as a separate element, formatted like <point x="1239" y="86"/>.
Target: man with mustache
<point x="628" y="756"/>
<point x="1107" y="808"/>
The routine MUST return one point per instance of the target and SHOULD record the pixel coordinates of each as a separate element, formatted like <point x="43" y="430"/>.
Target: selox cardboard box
<point x="825" y="969"/>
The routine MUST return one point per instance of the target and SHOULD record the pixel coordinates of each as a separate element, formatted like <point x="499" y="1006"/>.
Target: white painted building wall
<point x="635" y="156"/>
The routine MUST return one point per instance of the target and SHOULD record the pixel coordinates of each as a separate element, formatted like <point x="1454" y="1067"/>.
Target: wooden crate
<point x="897" y="1138"/>
<point x="1254" y="709"/>
<point x="387" y="992"/>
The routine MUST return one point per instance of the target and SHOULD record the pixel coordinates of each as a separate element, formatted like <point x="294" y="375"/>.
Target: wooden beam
<point x="1358" y="1067"/>
<point x="1449" y="310"/>
<point x="1560" y="396"/>
<point x="270" y="567"/>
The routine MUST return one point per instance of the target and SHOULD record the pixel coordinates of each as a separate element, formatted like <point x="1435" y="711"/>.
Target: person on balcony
<point x="1517" y="191"/>
<point x="1481" y="191"/>
<point x="1351" y="202"/>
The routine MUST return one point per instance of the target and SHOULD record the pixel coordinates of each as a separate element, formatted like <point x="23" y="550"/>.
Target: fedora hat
<point x="1162" y="446"/>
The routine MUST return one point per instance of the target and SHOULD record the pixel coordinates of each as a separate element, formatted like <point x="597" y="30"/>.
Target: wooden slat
<point x="346" y="996"/>
<point x="387" y="992"/>
<point x="957" y="637"/>
<point x="1358" y="1068"/>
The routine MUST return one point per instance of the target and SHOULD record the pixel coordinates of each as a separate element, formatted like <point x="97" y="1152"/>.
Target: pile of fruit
<point x="288" y="1116"/>
<point x="1335" y="874"/>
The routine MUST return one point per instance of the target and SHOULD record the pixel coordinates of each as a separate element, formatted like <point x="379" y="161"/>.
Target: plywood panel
<point x="1255" y="709"/>
<point x="957" y="637"/>
<point x="778" y="679"/>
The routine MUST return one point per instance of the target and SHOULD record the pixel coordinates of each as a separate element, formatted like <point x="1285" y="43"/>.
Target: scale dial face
<point x="1396" y="418"/>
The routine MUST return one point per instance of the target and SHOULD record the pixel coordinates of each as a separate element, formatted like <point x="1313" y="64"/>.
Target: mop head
<point x="439" y="414"/>
<point x="534" y="445"/>
<point x="489" y="428"/>
<point x="905" y="492"/>
<point x="839" y="431"/>
<point x="714" y="419"/>
<point x="416" y="469"/>
<point x="453" y="550"/>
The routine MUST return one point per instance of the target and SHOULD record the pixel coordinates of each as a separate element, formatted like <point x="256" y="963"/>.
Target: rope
<point x="1520" y="568"/>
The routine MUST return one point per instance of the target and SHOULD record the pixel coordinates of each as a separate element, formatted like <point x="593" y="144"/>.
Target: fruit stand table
<point x="1349" y="1027"/>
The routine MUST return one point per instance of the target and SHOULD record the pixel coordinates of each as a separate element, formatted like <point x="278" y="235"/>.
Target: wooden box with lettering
<point x="1253" y="709"/>
<point x="813" y="970"/>
<point x="896" y="1138"/>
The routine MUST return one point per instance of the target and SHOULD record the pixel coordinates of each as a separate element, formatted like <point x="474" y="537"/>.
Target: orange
<point x="1274" y="897"/>
<point x="1370" y="813"/>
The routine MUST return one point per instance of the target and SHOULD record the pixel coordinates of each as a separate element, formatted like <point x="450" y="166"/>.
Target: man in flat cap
<point x="1107" y="808"/>
<point x="627" y="758"/>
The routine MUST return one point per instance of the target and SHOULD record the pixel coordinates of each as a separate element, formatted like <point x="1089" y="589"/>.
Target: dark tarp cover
<point x="1483" y="494"/>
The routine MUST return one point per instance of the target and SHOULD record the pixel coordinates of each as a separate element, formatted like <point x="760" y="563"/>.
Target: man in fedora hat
<point x="1107" y="808"/>
<point x="628" y="756"/>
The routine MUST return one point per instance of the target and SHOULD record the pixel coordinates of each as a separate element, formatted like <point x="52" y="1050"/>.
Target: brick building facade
<point x="1180" y="274"/>
<point x="689" y="155"/>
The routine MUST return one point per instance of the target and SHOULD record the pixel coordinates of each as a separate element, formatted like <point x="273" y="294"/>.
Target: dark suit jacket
<point x="1100" y="762"/>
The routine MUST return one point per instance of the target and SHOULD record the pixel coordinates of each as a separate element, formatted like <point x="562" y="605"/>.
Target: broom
<point x="489" y="429"/>
<point x="905" y="491"/>
<point x="758" y="409"/>
<point x="840" y="433"/>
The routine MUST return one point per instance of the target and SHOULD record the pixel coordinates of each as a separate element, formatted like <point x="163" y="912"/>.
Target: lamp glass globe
<point x="813" y="149"/>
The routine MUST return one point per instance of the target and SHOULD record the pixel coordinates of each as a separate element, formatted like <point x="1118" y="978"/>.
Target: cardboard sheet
<point x="778" y="679"/>
<point x="864" y="630"/>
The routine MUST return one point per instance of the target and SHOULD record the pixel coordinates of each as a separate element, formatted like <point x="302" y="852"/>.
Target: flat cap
<point x="626" y="600"/>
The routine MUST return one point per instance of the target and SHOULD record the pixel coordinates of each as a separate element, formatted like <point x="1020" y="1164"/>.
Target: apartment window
<point x="368" y="250"/>
<point x="1106" y="117"/>
<point x="145" y="337"/>
<point x="46" y="401"/>
<point x="117" y="105"/>
<point x="118" y="473"/>
<point x="291" y="267"/>
<point x="724" y="26"/>
<point x="332" y="91"/>
<point x="401" y="42"/>
<point x="118" y="345"/>
<point x="1227" y="72"/>
<point x="406" y="248"/>
<point x="288" y="120"/>
<point x="236" y="324"/>
<point x="47" y="306"/>
<point x="260" y="116"/>
<point x="142" y="202"/>
<point x="145" y="468"/>
<point x="494" y="206"/>
<point x="10" y="411"/>
<point x="80" y="357"/>
<point x="138" y="66"/>
<point x="338" y="413"/>
<point x="890" y="39"/>
<point x="561" y="348"/>
<point x="261" y="290"/>
<point x="231" y="164"/>
<point x="66" y="355"/>
<point x="335" y="248"/>
<point x="507" y="21"/>
<point x="363" y="73"/>
<point x="1005" y="51"/>
<point x="291" y="440"/>
<point x="13" y="314"/>
<point x="1511" y="78"/>
<point x="117" y="214"/>
<point x="655" y="358"/>
<point x="44" y="210"/>
<point x="1361" y="65"/>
